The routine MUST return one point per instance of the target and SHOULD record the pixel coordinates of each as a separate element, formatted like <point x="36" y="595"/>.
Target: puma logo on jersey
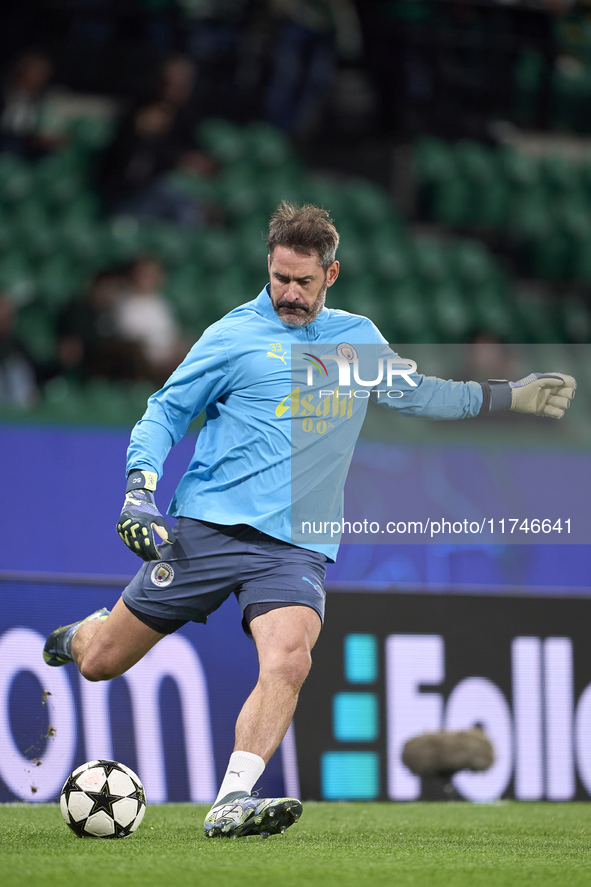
<point x="278" y="356"/>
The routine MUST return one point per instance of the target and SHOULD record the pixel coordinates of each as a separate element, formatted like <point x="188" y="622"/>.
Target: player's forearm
<point x="436" y="398"/>
<point x="149" y="446"/>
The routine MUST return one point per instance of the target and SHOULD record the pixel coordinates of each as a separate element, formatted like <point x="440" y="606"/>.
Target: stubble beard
<point x="307" y="316"/>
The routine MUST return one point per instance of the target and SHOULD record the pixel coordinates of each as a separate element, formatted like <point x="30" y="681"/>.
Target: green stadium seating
<point x="529" y="71"/>
<point x="560" y="174"/>
<point x="471" y="262"/>
<point x="90" y="134"/>
<point x="217" y="248"/>
<point x="575" y="319"/>
<point x="225" y="141"/>
<point x="326" y="192"/>
<point x="58" y="279"/>
<point x="171" y="244"/>
<point x="411" y="316"/>
<point x="36" y="327"/>
<point x="16" y="179"/>
<point x="430" y="259"/>
<point x="452" y="316"/>
<point x="187" y="291"/>
<point x="452" y="202"/>
<point x="392" y="261"/>
<point x="251" y="246"/>
<point x="28" y="216"/>
<point x="8" y="238"/>
<point x="366" y="204"/>
<point x="267" y="145"/>
<point x="520" y="170"/>
<point x="17" y="276"/>
<point x="226" y="290"/>
<point x="239" y="191"/>
<point x="493" y="313"/>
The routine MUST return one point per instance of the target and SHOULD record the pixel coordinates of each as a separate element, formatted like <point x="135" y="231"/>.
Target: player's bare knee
<point x="291" y="666"/>
<point x="95" y="668"/>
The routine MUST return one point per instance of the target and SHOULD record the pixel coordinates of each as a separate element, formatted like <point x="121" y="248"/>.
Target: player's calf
<point x="58" y="646"/>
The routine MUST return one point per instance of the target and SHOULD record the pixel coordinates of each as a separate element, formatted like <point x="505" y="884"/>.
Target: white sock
<point x="243" y="772"/>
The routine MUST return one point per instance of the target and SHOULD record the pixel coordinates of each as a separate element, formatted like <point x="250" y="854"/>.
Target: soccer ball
<point x="103" y="799"/>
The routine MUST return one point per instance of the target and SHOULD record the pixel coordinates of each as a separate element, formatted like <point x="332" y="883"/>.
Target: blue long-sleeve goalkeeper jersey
<point x="283" y="410"/>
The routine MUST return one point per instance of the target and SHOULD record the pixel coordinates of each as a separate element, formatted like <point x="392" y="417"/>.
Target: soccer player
<point x="256" y="466"/>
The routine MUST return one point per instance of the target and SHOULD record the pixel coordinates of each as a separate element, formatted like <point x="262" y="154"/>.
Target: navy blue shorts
<point x="209" y="562"/>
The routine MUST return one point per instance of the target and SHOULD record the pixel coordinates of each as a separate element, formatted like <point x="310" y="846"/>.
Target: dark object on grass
<point x="439" y="755"/>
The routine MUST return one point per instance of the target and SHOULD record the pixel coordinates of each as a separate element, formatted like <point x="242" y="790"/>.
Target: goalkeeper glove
<point x="140" y="524"/>
<point x="541" y="394"/>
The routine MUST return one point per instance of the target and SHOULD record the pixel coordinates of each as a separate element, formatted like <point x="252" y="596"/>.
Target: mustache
<point x="284" y="304"/>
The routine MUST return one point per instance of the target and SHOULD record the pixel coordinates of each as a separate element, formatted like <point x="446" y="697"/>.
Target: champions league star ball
<point x="103" y="799"/>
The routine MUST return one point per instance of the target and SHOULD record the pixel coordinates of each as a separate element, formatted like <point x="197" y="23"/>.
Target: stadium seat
<point x="529" y="71"/>
<point x="171" y="245"/>
<point x="90" y="134"/>
<point x="534" y="313"/>
<point x="84" y="241"/>
<point x="42" y="241"/>
<point x="571" y="94"/>
<point x="217" y="247"/>
<point x="106" y="402"/>
<point x="411" y="318"/>
<point x="471" y="261"/>
<point x="492" y="205"/>
<point x="452" y="201"/>
<point x="36" y="326"/>
<point x="451" y="313"/>
<point x="475" y="162"/>
<point x="430" y="260"/>
<point x="519" y="169"/>
<point x="226" y="290"/>
<point x="28" y="216"/>
<point x="574" y="317"/>
<point x="355" y="253"/>
<point x="56" y="182"/>
<point x="550" y="255"/>
<point x="250" y="244"/>
<point x="124" y="239"/>
<point x="225" y="141"/>
<point x="239" y="192"/>
<point x="494" y="314"/>
<point x="560" y="175"/>
<point x="16" y="179"/>
<point x="392" y="261"/>
<point x="434" y="161"/>
<point x="58" y="279"/>
<point x="327" y="193"/>
<point x="17" y="276"/>
<point x="366" y="204"/>
<point x="280" y="184"/>
<point x="267" y="145"/>
<point x="8" y="237"/>
<point x="188" y="293"/>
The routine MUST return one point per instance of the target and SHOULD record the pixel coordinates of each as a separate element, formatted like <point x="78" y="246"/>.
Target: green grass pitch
<point x="508" y="844"/>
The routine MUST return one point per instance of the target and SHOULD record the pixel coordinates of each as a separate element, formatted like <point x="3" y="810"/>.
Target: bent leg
<point x="284" y="639"/>
<point x="104" y="650"/>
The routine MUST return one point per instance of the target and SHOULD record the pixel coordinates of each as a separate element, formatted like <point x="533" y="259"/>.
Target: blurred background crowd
<point x="144" y="143"/>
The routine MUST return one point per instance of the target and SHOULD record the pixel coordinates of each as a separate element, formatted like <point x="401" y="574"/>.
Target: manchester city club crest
<point x="162" y="575"/>
<point x="346" y="351"/>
